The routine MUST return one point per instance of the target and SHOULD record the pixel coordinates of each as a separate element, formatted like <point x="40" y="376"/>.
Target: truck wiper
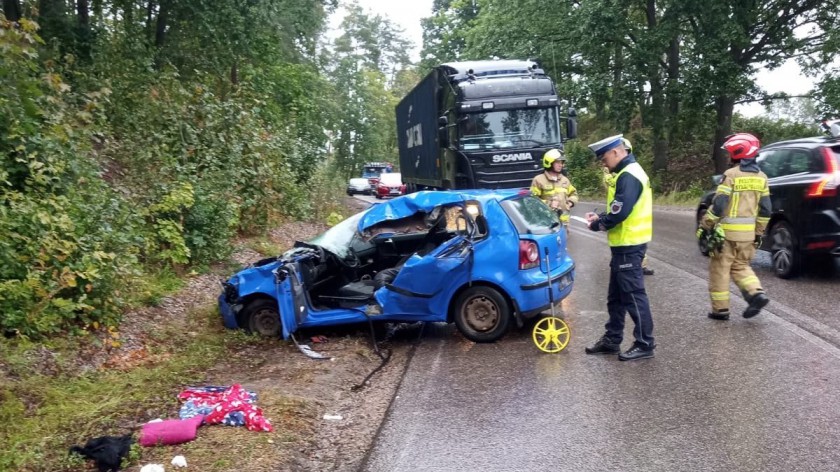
<point x="534" y="142"/>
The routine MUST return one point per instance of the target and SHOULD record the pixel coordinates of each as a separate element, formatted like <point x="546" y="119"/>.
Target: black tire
<point x="349" y="193"/>
<point x="261" y="317"/>
<point x="701" y="212"/>
<point x="482" y="314"/>
<point x="787" y="261"/>
<point x="378" y="197"/>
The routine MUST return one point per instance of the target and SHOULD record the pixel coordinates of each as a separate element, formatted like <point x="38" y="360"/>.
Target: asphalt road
<point x="746" y="395"/>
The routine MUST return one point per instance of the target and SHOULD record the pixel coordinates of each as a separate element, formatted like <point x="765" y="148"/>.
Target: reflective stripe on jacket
<point x="637" y="228"/>
<point x="741" y="205"/>
<point x="557" y="194"/>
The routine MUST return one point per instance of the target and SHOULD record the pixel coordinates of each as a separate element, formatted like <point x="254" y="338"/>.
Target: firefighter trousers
<point x="733" y="259"/>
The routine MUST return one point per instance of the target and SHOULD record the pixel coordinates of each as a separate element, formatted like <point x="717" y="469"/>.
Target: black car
<point x="804" y="176"/>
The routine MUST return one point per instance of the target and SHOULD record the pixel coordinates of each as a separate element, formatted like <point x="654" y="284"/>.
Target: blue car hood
<point x="406" y="206"/>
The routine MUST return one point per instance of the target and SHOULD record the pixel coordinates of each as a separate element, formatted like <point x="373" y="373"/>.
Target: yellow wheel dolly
<point x="551" y="334"/>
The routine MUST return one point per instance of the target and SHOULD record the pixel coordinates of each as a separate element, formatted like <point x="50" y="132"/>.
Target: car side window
<point x="781" y="162"/>
<point x="771" y="163"/>
<point x="799" y="161"/>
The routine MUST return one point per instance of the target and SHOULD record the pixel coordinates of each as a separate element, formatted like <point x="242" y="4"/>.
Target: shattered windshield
<point x="509" y="129"/>
<point x="337" y="239"/>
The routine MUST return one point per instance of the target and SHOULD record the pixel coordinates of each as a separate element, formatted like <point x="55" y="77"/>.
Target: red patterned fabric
<point x="233" y="402"/>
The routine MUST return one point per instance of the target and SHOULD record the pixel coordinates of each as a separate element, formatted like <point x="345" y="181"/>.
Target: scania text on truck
<point x="482" y="124"/>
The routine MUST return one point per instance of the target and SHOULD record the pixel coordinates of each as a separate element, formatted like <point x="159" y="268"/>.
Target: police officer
<point x="741" y="206"/>
<point x="608" y="176"/>
<point x="628" y="222"/>
<point x="554" y="188"/>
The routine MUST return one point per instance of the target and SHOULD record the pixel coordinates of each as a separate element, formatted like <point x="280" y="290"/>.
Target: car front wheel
<point x="261" y="317"/>
<point x="482" y="314"/>
<point x="787" y="260"/>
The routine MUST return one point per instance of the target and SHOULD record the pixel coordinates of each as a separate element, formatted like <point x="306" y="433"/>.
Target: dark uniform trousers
<point x="627" y="295"/>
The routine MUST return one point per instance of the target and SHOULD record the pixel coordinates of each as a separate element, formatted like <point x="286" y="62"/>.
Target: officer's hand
<point x="759" y="239"/>
<point x="590" y="217"/>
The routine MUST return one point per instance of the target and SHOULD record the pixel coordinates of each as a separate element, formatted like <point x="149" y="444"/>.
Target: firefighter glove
<point x="701" y="232"/>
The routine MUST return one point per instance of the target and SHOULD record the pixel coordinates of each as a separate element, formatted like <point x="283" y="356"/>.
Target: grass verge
<point x="45" y="407"/>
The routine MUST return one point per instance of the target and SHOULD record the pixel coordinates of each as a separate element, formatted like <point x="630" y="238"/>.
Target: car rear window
<point x="531" y="216"/>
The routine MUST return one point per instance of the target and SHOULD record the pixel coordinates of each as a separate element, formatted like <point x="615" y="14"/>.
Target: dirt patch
<point x="294" y="391"/>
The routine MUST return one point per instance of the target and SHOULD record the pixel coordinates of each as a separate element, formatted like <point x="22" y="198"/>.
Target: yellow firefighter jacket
<point x="741" y="205"/>
<point x="558" y="193"/>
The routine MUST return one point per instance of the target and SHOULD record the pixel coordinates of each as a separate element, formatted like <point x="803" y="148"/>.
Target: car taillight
<point x="529" y="255"/>
<point x="826" y="187"/>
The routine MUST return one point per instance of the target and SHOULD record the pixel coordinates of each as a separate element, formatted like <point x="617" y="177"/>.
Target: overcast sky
<point x="407" y="15"/>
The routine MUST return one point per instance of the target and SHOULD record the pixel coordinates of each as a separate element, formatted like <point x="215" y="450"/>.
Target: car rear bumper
<point x="561" y="284"/>
<point x="823" y="234"/>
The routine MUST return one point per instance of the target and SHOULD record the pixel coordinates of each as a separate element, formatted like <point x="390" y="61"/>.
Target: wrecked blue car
<point x="479" y="258"/>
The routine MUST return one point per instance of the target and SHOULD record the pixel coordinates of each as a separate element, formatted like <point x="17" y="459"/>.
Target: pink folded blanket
<point x="168" y="432"/>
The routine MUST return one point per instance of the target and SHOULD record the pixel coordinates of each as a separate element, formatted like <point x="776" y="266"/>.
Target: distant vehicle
<point x="478" y="258"/>
<point x="390" y="185"/>
<point x="804" y="176"/>
<point x="358" y="185"/>
<point x="482" y="124"/>
<point x="372" y="171"/>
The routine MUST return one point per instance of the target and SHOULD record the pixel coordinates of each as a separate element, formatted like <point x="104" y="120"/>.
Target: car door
<point x="291" y="297"/>
<point x="423" y="284"/>
<point x="790" y="172"/>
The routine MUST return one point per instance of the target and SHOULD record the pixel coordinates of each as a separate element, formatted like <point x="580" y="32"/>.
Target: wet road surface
<point x="746" y="395"/>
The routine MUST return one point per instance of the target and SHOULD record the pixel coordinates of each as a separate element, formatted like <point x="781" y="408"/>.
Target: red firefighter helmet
<point x="742" y="146"/>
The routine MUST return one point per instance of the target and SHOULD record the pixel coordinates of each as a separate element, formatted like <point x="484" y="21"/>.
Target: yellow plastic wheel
<point x="551" y="334"/>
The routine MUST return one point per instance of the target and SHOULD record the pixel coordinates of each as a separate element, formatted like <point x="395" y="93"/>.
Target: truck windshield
<point x="509" y="129"/>
<point x="374" y="171"/>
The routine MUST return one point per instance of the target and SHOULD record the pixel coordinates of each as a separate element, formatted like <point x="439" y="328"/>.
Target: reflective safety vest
<point x="637" y="228"/>
<point x="744" y="191"/>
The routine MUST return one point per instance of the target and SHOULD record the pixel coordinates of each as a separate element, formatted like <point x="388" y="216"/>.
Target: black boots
<point x="604" y="346"/>
<point x="638" y="351"/>
<point x="756" y="303"/>
<point x="721" y="315"/>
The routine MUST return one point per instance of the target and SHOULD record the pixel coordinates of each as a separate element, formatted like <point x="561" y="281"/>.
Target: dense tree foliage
<point x="668" y="67"/>
<point x="145" y="134"/>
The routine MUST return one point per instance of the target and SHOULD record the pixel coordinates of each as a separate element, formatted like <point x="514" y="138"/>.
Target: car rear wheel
<point x="261" y="317"/>
<point x="482" y="314"/>
<point x="787" y="261"/>
<point x="700" y="214"/>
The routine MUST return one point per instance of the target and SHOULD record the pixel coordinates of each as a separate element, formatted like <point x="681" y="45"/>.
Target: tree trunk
<point x="724" y="107"/>
<point x="673" y="90"/>
<point x="150" y="23"/>
<point x="83" y="14"/>
<point x="234" y="74"/>
<point x="160" y="30"/>
<point x="83" y="32"/>
<point x="657" y="124"/>
<point x="11" y="9"/>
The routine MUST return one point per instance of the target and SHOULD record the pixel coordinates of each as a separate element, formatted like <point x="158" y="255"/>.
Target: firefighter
<point x="741" y="206"/>
<point x="554" y="188"/>
<point x="628" y="222"/>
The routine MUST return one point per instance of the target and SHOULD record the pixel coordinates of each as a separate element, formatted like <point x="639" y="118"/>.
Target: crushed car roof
<point x="425" y="201"/>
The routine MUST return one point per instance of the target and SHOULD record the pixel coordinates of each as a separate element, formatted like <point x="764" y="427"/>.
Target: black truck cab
<point x="482" y="124"/>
